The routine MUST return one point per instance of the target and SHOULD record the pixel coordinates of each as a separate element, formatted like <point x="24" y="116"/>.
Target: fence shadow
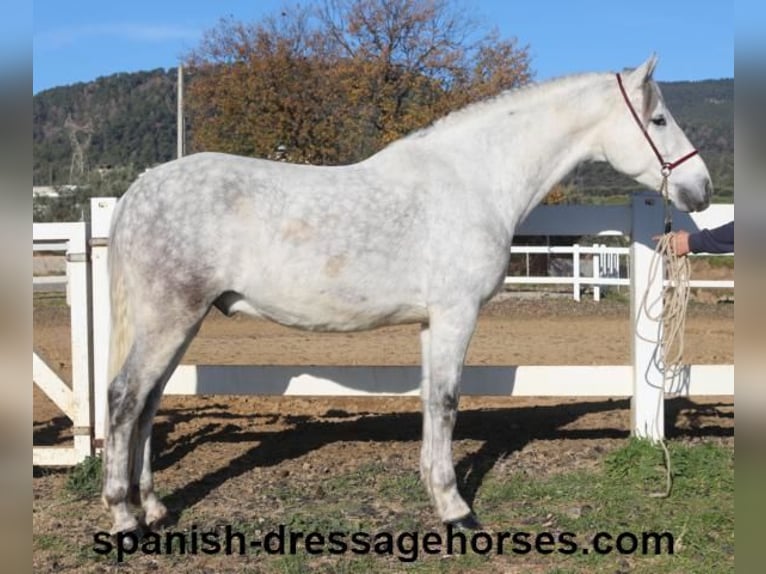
<point x="313" y="432"/>
<point x="52" y="432"/>
<point x="683" y="418"/>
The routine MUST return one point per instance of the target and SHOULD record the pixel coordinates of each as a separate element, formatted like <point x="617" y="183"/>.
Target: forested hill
<point x="124" y="120"/>
<point x="128" y="122"/>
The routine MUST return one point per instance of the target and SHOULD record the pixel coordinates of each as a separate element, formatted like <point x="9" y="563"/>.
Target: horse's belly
<point x="326" y="311"/>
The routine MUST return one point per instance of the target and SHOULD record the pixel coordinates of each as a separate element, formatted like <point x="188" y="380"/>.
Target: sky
<point x="78" y="41"/>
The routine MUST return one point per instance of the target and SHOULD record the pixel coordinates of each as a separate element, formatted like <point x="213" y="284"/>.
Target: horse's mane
<point x="515" y="98"/>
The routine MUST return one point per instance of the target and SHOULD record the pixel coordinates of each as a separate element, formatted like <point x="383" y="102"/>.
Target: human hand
<point x="679" y="242"/>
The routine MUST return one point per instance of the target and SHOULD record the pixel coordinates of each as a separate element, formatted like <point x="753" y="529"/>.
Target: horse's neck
<point x="518" y="146"/>
<point x="544" y="139"/>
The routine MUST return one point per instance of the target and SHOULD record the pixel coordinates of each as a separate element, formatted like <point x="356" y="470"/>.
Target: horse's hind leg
<point x="157" y="348"/>
<point x="445" y="343"/>
<point x="142" y="483"/>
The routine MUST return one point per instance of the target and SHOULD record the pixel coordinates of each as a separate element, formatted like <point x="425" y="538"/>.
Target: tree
<point x="335" y="82"/>
<point x="559" y="194"/>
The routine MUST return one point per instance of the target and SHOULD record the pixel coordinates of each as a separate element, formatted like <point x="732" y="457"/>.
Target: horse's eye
<point x="659" y="121"/>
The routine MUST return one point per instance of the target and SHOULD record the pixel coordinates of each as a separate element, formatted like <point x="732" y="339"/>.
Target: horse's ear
<point x="644" y="72"/>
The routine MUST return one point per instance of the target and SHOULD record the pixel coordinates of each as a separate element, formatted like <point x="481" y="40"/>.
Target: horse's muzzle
<point x="696" y="198"/>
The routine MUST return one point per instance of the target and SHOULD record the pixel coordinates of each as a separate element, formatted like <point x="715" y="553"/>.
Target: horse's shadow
<point x="491" y="426"/>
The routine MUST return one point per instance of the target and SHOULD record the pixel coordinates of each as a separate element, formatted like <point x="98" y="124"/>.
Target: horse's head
<point x="642" y="140"/>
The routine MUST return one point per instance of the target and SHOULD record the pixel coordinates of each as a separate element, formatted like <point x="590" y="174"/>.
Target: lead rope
<point x="671" y="320"/>
<point x="674" y="296"/>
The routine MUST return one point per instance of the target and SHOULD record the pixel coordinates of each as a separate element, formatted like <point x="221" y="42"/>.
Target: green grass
<point x="699" y="513"/>
<point x="84" y="479"/>
<point x="615" y="497"/>
<point x="616" y="294"/>
<point x="50" y="542"/>
<point x="49" y="299"/>
<point x="720" y="261"/>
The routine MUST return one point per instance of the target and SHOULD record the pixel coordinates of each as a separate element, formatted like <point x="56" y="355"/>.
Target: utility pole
<point x="180" y="113"/>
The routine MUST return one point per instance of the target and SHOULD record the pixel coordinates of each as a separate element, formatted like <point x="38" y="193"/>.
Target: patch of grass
<point x="292" y="564"/>
<point x="362" y="477"/>
<point x="49" y="299"/>
<point x="720" y="261"/>
<point x="357" y="565"/>
<point x="285" y="490"/>
<point x="49" y="542"/>
<point x="614" y="498"/>
<point x="616" y="295"/>
<point x="332" y="521"/>
<point x="696" y="470"/>
<point x="698" y="515"/>
<point x="404" y="486"/>
<point x="84" y="480"/>
<point x="62" y="549"/>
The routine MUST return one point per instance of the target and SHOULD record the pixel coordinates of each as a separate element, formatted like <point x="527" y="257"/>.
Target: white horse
<point x="420" y="232"/>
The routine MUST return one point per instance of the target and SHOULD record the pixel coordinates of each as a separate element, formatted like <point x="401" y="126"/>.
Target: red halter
<point x="666" y="166"/>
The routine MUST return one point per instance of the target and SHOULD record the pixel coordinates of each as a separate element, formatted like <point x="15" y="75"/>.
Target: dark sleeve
<point x="717" y="240"/>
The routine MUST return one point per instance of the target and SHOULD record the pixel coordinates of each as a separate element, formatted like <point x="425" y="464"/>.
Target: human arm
<point x="717" y="240"/>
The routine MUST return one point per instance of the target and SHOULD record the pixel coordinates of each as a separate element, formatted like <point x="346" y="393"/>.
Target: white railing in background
<point x="605" y="262"/>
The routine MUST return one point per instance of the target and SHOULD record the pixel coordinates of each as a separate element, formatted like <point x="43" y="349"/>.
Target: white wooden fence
<point x="605" y="262"/>
<point x="75" y="400"/>
<point x="642" y="379"/>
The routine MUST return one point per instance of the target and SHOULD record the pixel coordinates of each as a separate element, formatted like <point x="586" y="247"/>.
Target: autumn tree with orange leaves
<point x="335" y="82"/>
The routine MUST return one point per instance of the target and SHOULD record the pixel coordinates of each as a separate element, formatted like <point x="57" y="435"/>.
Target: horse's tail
<point x="121" y="338"/>
<point x="121" y="332"/>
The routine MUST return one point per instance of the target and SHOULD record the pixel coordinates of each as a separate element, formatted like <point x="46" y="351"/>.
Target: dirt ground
<point x="216" y="454"/>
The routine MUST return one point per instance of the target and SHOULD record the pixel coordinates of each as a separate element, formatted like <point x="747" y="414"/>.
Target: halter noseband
<point x="665" y="166"/>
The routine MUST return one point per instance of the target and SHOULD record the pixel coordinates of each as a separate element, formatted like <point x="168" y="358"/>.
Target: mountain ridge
<point x="128" y="121"/>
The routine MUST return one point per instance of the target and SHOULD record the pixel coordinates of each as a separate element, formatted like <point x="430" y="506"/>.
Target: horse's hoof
<point x="155" y="513"/>
<point x="467" y="522"/>
<point x="135" y="531"/>
<point x="157" y="519"/>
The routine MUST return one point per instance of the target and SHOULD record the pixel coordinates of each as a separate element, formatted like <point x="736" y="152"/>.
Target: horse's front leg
<point x="444" y="347"/>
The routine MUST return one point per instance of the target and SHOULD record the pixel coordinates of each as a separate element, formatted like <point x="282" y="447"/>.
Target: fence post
<point x="82" y="381"/>
<point x="596" y="273"/>
<point x="101" y="209"/>
<point x="647" y="405"/>
<point x="612" y="263"/>
<point x="576" y="271"/>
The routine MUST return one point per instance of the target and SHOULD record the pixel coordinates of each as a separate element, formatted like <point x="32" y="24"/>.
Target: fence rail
<point x="605" y="262"/>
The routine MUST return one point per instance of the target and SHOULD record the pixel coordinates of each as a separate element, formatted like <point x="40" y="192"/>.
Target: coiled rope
<point x="670" y="319"/>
